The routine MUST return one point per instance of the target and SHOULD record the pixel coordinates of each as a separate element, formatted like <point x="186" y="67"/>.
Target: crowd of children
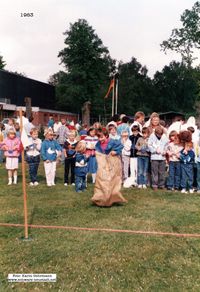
<point x="146" y="151"/>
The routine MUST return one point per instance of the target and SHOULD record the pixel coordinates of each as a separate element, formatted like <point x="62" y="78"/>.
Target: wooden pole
<point x="113" y="98"/>
<point x="24" y="183"/>
<point x="116" y="96"/>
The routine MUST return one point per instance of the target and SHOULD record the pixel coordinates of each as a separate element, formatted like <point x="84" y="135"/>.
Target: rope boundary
<point x="140" y="232"/>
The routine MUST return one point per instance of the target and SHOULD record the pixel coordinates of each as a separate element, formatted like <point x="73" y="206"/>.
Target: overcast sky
<point x="129" y="28"/>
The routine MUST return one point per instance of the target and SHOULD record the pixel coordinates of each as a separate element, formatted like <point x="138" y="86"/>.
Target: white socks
<point x="15" y="179"/>
<point x="93" y="177"/>
<point x="9" y="180"/>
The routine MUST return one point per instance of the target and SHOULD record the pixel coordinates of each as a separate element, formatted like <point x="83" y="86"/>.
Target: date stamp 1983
<point x="22" y="14"/>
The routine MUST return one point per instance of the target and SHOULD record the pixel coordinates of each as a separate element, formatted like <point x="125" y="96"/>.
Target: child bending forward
<point x="109" y="172"/>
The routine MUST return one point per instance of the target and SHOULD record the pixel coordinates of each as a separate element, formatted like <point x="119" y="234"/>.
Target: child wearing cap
<point x="11" y="148"/>
<point x="112" y="129"/>
<point x="50" y="150"/>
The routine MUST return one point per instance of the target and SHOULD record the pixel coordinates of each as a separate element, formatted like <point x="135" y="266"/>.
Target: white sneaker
<point x="191" y="191"/>
<point x="36" y="183"/>
<point x="73" y="184"/>
<point x="31" y="183"/>
<point x="139" y="186"/>
<point x="65" y="184"/>
<point x="144" y="186"/>
<point x="53" y="184"/>
<point x="183" y="191"/>
<point x="9" y="183"/>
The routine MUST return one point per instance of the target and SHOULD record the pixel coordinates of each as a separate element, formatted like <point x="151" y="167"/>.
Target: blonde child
<point x="33" y="156"/>
<point x="11" y="148"/>
<point x="50" y="150"/>
<point x="69" y="153"/>
<point x="80" y="167"/>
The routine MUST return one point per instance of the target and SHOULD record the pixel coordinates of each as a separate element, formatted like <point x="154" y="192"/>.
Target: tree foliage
<point x="135" y="88"/>
<point x="2" y="63"/>
<point x="187" y="38"/>
<point x="176" y="88"/>
<point x="88" y="66"/>
<point x="87" y="63"/>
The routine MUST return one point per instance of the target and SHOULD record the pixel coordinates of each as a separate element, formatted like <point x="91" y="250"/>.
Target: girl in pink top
<point x="11" y="148"/>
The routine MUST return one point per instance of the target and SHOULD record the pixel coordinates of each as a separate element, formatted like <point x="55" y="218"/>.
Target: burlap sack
<point x="108" y="181"/>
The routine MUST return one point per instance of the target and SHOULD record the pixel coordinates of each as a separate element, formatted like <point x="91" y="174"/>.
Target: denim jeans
<point x="33" y="163"/>
<point x="69" y="166"/>
<point x="158" y="173"/>
<point x="80" y="183"/>
<point x="198" y="176"/>
<point x="1" y="156"/>
<point x="186" y="175"/>
<point x="143" y="165"/>
<point x="174" y="177"/>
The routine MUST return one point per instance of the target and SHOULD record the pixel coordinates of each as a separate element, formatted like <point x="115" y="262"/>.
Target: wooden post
<point x="24" y="184"/>
<point x="113" y="98"/>
<point x="116" y="96"/>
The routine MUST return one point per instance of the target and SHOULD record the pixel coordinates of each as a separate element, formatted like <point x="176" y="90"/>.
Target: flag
<point x="112" y="84"/>
<point x="25" y="139"/>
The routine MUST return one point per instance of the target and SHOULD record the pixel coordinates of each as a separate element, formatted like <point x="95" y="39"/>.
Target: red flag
<point x="112" y="83"/>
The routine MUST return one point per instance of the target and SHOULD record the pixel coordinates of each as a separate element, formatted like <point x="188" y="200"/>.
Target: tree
<point x="135" y="88"/>
<point x="2" y="63"/>
<point x="88" y="64"/>
<point x="187" y="38"/>
<point x="176" y="88"/>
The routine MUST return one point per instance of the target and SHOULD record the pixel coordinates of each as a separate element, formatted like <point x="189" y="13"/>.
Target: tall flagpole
<point x="116" y="95"/>
<point x="113" y="97"/>
<point x="24" y="184"/>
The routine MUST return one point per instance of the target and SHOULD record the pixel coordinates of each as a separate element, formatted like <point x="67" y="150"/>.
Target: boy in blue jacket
<point x="50" y="150"/>
<point x="187" y="157"/>
<point x="80" y="167"/>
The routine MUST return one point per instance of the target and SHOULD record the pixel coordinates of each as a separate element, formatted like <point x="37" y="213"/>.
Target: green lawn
<point x="99" y="261"/>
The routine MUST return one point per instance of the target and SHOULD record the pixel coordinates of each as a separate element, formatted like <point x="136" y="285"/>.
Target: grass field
<point x="99" y="261"/>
